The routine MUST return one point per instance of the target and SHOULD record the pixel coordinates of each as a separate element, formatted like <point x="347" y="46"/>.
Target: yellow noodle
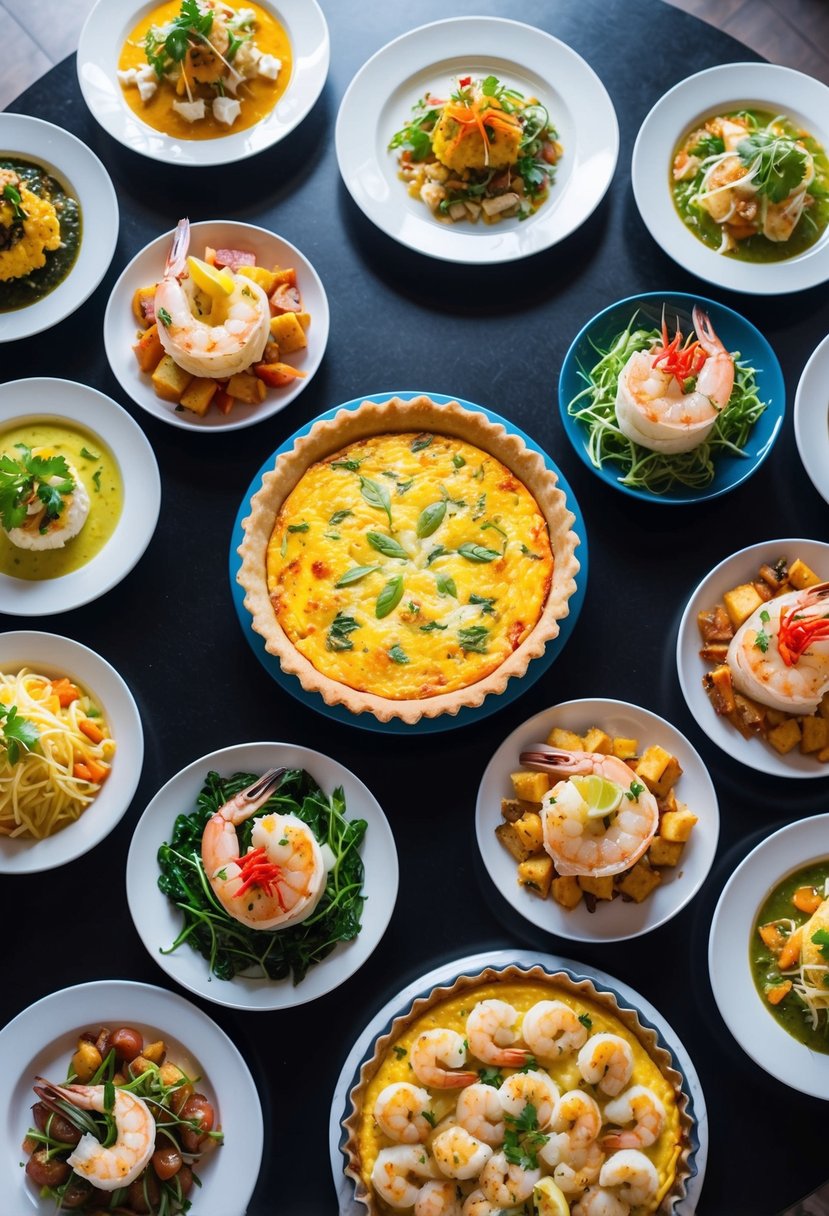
<point x="40" y="793"/>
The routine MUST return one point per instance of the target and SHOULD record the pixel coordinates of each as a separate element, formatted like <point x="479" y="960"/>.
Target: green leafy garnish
<point x="164" y="317"/>
<point x="87" y="455"/>
<point x="821" y="939"/>
<point x="17" y="733"/>
<point x="431" y="627"/>
<point x="775" y="161"/>
<point x="474" y="638"/>
<point x="416" y="136"/>
<point x="487" y="603"/>
<point x="389" y="597"/>
<point x="351" y="466"/>
<point x="96" y="479"/>
<point x="420" y="442"/>
<point x="29" y="478"/>
<point x="338" y="517"/>
<point x="458" y="461"/>
<point x="491" y="1076"/>
<point x="636" y="788"/>
<point x="400" y="1052"/>
<point x="192" y="22"/>
<point x="762" y="639"/>
<point x="478" y="553"/>
<point x="337" y="637"/>
<point x="354" y="575"/>
<point x="303" y="527"/>
<point x="376" y="496"/>
<point x="12" y="195"/>
<point x="586" y="1021"/>
<point x="435" y="553"/>
<point x="522" y="1139"/>
<point x="386" y="545"/>
<point x="397" y="654"/>
<point x="446" y="585"/>
<point x="431" y="518"/>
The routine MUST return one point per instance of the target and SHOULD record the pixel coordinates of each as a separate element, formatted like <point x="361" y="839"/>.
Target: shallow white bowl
<point x="811" y="418"/>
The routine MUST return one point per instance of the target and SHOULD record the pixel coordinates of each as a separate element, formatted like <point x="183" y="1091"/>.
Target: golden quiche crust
<point x="373" y="419"/>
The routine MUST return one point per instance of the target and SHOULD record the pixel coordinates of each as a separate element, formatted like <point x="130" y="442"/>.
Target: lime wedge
<point x="601" y="795"/>
<point x="216" y="283"/>
<point x="548" y="1199"/>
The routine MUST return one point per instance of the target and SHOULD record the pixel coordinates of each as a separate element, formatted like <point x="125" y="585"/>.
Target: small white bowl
<point x="741" y="567"/>
<point x="811" y="418"/>
<point x="613" y="920"/>
<point x="147" y="267"/>
<point x="52" y="655"/>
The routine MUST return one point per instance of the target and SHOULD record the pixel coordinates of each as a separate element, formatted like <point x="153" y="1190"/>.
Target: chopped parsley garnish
<point x="397" y="654"/>
<point x="536" y="557"/>
<point x="435" y="553"/>
<point x="12" y="195"/>
<point x="474" y="638"/>
<point x="491" y="1076"/>
<point x="762" y="639"/>
<point x="446" y="585"/>
<point x="776" y="162"/>
<point x="164" y="317"/>
<point x="636" y="788"/>
<point x="821" y="939"/>
<point x="487" y="603"/>
<point x="522" y="1139"/>
<point x="400" y="1052"/>
<point x="586" y="1021"/>
<point x="30" y="477"/>
<point x="17" y="732"/>
<point x="96" y="478"/>
<point x="87" y="455"/>
<point x="341" y="627"/>
<point x="192" y="22"/>
<point x="431" y="627"/>
<point x="480" y="507"/>
<point x="458" y="461"/>
<point x="351" y="466"/>
<point x="403" y="486"/>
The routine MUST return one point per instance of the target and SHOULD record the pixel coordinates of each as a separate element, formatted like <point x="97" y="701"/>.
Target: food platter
<point x="447" y="973"/>
<point x="381" y="94"/>
<point x="732" y="85"/>
<point x="72" y="162"/>
<point x="67" y="401"/>
<point x="738" y="1000"/>
<point x="148" y="266"/>
<point x="617" y="920"/>
<point x="40" y="1039"/>
<point x="425" y="725"/>
<point x="158" y="923"/>
<point x="53" y="655"/>
<point x="811" y="418"/>
<point x="104" y="33"/>
<point x="737" y="334"/>
<point x="733" y="570"/>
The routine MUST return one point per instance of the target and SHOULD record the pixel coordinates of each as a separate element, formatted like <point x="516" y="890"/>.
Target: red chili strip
<point x="796" y="633"/>
<point x="256" y="870"/>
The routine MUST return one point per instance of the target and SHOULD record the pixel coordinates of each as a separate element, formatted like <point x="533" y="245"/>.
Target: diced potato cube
<point x="148" y="350"/>
<point x="638" y="883"/>
<point x="597" y="740"/>
<point x="664" y="852"/>
<point x="141" y="300"/>
<point x="288" y="332"/>
<point x="284" y="274"/>
<point x="265" y="278"/>
<point x="815" y="734"/>
<point x="565" y="739"/>
<point x="668" y="803"/>
<point x="198" y="395"/>
<point x="801" y="575"/>
<point x="566" y="891"/>
<point x="823" y="755"/>
<point x="720" y="689"/>
<point x="823" y="708"/>
<point x="86" y="1061"/>
<point x="714" y="652"/>
<point x="530" y="830"/>
<point x="786" y="736"/>
<point x="530" y="786"/>
<point x="511" y="809"/>
<point x="155" y="1052"/>
<point x="669" y="778"/>
<point x="537" y="874"/>
<point x="513" y="841"/>
<point x="244" y="386"/>
<point x="625" y="749"/>
<point x="304" y="319"/>
<point x="600" y="888"/>
<point x="677" y="825"/>
<point x="740" y="602"/>
<point x="658" y="769"/>
<point x="169" y="380"/>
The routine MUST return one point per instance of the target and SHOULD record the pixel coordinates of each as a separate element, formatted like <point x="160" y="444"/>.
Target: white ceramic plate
<point x="158" y="922"/>
<point x="729" y="962"/>
<point x="615" y="920"/>
<point x="67" y="401"/>
<point x="729" y="86"/>
<point x="40" y="1042"/>
<point x="740" y="568"/>
<point x="105" y="32"/>
<point x="446" y="974"/>
<point x="379" y="100"/>
<point x="52" y="655"/>
<point x="84" y="177"/>
<point x="811" y="418"/>
<point x="147" y="267"/>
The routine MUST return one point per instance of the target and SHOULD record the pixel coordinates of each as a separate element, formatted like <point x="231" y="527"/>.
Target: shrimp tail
<point x="550" y="760"/>
<point x="250" y="799"/>
<point x="618" y="1140"/>
<point x="176" y="264"/>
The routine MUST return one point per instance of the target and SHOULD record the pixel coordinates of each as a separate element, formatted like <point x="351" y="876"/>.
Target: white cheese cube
<point x="128" y="76"/>
<point x="226" y="110"/>
<point x="190" y="111"/>
<point x="269" y="66"/>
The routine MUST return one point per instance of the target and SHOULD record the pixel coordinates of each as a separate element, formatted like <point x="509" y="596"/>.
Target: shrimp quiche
<point x="408" y="558"/>
<point x="519" y="1090"/>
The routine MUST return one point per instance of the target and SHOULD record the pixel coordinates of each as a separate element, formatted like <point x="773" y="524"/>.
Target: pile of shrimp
<point x="513" y="1099"/>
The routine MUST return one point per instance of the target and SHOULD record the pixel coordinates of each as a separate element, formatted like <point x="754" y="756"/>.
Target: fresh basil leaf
<point x="398" y="655"/>
<point x="420" y="442"/>
<point x="354" y="575"/>
<point x="386" y="545"/>
<point x="478" y="553"/>
<point x="389" y="597"/>
<point x="446" y="585"/>
<point x="431" y="518"/>
<point x="376" y="496"/>
<point x="340" y="628"/>
<point x="338" y="517"/>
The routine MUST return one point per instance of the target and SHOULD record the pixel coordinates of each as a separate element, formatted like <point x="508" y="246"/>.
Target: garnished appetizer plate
<point x="737" y="965"/>
<point x="111" y="459"/>
<point x="763" y="91"/>
<point x="433" y="60"/>
<point x="121" y="326"/>
<point x="589" y="381"/>
<point x="100" y="50"/>
<point x="159" y="923"/>
<point x="811" y="418"/>
<point x="616" y="915"/>
<point x="55" y="657"/>
<point x="42" y="1038"/>
<point x="82" y="178"/>
<point x="618" y="996"/>
<point x="731" y="584"/>
<point x="436" y="533"/>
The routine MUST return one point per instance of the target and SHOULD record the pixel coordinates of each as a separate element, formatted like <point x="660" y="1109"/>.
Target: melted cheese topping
<point x="409" y="565"/>
<point x="452" y="1015"/>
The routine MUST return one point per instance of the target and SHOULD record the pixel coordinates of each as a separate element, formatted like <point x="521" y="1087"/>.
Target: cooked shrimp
<point x="477" y="1204"/>
<point x="491" y="1031"/>
<point x="437" y="1056"/>
<point x="579" y="1169"/>
<point x="779" y="656"/>
<point x="458" y="1154"/>
<point x="652" y="407"/>
<point x="551" y="1029"/>
<point x="119" y="1164"/>
<point x="577" y="1124"/>
<point x="596" y="1201"/>
<point x="280" y="879"/>
<point x="579" y="844"/>
<point x="632" y="1174"/>
<point x="530" y="1088"/>
<point x="219" y="344"/>
<point x="479" y="1110"/>
<point x="606" y="1061"/>
<point x="401" y="1111"/>
<point x="505" y="1184"/>
<point x="398" y="1174"/>
<point x="640" y="1106"/>
<point x="438" y="1199"/>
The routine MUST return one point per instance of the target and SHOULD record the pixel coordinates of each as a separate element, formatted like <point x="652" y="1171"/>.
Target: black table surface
<point x="505" y="331"/>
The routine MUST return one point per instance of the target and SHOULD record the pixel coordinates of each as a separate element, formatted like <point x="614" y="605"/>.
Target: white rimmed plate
<point x="40" y="1042"/>
<point x="52" y="655"/>
<point x="158" y="922"/>
<point x="104" y="33"/>
<point x="84" y="177"/>
<point x="147" y="267"/>
<point x="68" y="401"/>
<point x="614" y="920"/>
<point x="379" y="100"/>
<point x="739" y="568"/>
<point x="728" y="86"/>
<point x="811" y="418"/>
<point x="729" y="961"/>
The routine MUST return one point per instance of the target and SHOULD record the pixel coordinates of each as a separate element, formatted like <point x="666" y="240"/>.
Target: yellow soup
<point x="257" y="94"/>
<point x="101" y="476"/>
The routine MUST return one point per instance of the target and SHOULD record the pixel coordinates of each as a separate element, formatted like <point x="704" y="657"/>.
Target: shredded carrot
<point x="82" y="771"/>
<point x="791" y="951"/>
<point x="796" y="632"/>
<point x="90" y="770"/>
<point x="92" y="731"/>
<point x="65" y="691"/>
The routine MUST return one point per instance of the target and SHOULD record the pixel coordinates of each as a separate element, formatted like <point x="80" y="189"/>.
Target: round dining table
<point x="170" y="628"/>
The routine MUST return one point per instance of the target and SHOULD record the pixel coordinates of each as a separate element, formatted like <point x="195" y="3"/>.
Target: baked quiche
<point x="408" y="558"/>
<point x="521" y="1091"/>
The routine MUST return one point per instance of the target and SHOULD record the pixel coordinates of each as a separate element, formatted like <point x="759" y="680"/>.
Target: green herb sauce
<point x="28" y="289"/>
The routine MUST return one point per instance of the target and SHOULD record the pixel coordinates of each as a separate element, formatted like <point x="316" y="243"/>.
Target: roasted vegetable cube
<point x="740" y="602"/>
<point x="565" y="739"/>
<point x="664" y="852"/>
<point x="143" y="305"/>
<point x="514" y="841"/>
<point x="530" y="830"/>
<point x="597" y="740"/>
<point x="786" y="736"/>
<point x="148" y="350"/>
<point x="638" y="883"/>
<point x="815" y="734"/>
<point x="530" y="786"/>
<point x="536" y="873"/>
<point x="599" y="888"/>
<point x="801" y="575"/>
<point x="169" y="380"/>
<point x="658" y="769"/>
<point x="677" y="825"/>
<point x="198" y="395"/>
<point x="244" y="386"/>
<point x="265" y="278"/>
<point x="776" y="992"/>
<point x="625" y="749"/>
<point x="566" y="891"/>
<point x="288" y="332"/>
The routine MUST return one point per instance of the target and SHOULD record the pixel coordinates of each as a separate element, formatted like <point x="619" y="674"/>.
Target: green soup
<point x="20" y="292"/>
<point x="758" y="248"/>
<point x="791" y="1013"/>
<point x="100" y="474"/>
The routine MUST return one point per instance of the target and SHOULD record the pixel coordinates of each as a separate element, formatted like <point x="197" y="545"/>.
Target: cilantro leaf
<point x="821" y="939"/>
<point x="776" y="160"/>
<point x="30" y="477"/>
<point x="18" y="732"/>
